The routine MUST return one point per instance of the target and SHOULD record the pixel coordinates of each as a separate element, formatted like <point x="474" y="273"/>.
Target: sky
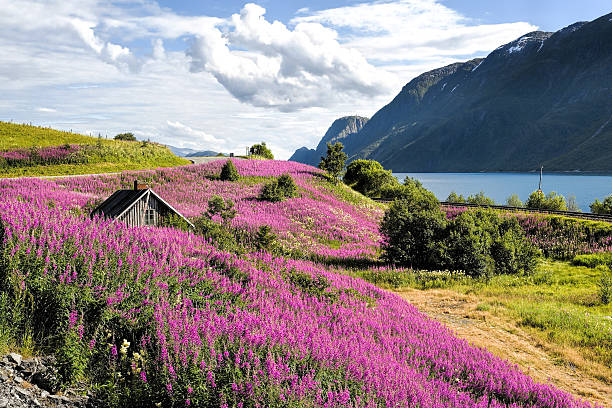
<point x="223" y="75"/>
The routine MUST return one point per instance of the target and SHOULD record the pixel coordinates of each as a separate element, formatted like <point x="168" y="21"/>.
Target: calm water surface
<point x="499" y="186"/>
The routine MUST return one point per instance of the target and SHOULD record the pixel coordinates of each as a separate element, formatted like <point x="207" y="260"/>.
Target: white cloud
<point x="282" y="68"/>
<point x="404" y="30"/>
<point x="108" y="67"/>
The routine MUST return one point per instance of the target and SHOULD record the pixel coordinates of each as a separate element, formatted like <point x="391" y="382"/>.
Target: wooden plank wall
<point x="135" y="217"/>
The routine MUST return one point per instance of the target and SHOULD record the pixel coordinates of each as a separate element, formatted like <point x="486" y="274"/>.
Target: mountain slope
<point x="543" y="99"/>
<point x="340" y="130"/>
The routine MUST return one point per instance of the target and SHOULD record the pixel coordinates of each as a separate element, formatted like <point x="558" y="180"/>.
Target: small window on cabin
<point x="149" y="217"/>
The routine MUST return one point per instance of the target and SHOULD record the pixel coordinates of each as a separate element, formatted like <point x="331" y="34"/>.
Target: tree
<point x="223" y="208"/>
<point x="287" y="186"/>
<point x="598" y="207"/>
<point x="229" y="171"/>
<point x="571" y="204"/>
<point x="333" y="162"/>
<point x="265" y="239"/>
<point x="412" y="234"/>
<point x="514" y="201"/>
<point x="551" y="201"/>
<point x="480" y="199"/>
<point x="368" y="177"/>
<point x="454" y="198"/>
<point x="261" y="150"/>
<point x="127" y="137"/>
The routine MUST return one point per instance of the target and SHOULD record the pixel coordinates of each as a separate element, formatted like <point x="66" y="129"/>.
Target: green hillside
<point x="36" y="151"/>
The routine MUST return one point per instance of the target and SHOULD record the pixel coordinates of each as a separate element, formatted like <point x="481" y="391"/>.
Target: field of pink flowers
<point x="307" y="223"/>
<point x="157" y="315"/>
<point x="40" y="156"/>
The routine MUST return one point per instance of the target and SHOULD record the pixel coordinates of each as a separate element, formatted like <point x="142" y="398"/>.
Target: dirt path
<point x="511" y="342"/>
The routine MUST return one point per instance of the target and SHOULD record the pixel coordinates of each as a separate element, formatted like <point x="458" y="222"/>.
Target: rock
<point x="44" y="394"/>
<point x="3" y="403"/>
<point x="18" y="379"/>
<point x="16" y="358"/>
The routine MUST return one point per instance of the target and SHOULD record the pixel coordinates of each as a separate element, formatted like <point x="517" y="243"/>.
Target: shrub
<point x="223" y="208"/>
<point x="604" y="207"/>
<point x="265" y="239"/>
<point x="479" y="242"/>
<point x="454" y="198"/>
<point x="175" y="221"/>
<point x="551" y="201"/>
<point x="333" y="162"/>
<point x="219" y="234"/>
<point x="412" y="234"/>
<point x="593" y="260"/>
<point x="480" y="199"/>
<point x="287" y="186"/>
<point x="368" y="177"/>
<point x="261" y="150"/>
<point x="271" y="192"/>
<point x="514" y="201"/>
<point x="127" y="137"/>
<point x="279" y="189"/>
<point x="229" y="172"/>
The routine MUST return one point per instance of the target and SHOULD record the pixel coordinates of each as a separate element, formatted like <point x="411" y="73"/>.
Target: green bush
<point x="261" y="150"/>
<point x="593" y="260"/>
<point x="454" y="198"/>
<point x="412" y="234"/>
<point x="480" y="199"/>
<point x="514" y="201"/>
<point x="126" y="137"/>
<point x="229" y="172"/>
<point x="223" y="208"/>
<point x="175" y="221"/>
<point x="479" y="242"/>
<point x="551" y="201"/>
<point x="598" y="207"/>
<point x="287" y="186"/>
<point x="265" y="239"/>
<point x="221" y="235"/>
<point x="279" y="189"/>
<point x="368" y="177"/>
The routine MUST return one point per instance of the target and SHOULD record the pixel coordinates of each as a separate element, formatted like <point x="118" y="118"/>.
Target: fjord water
<point x="499" y="186"/>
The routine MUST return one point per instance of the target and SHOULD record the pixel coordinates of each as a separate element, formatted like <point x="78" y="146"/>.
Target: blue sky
<point x="221" y="75"/>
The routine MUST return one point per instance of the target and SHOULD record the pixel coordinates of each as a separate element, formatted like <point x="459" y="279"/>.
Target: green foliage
<point x="287" y="186"/>
<point x="223" y="208"/>
<point x="551" y="201"/>
<point x="175" y="221"/>
<point x="480" y="199"/>
<point x="265" y="239"/>
<point x="368" y="177"/>
<point x="412" y="231"/>
<point x="605" y="287"/>
<point x="454" y="198"/>
<point x="593" y="260"/>
<point x="571" y="204"/>
<point x="279" y="189"/>
<point x="126" y="137"/>
<point x="221" y="235"/>
<point x="479" y="242"/>
<point x="261" y="150"/>
<point x="333" y="162"/>
<point x="514" y="201"/>
<point x="604" y="207"/>
<point x="229" y="171"/>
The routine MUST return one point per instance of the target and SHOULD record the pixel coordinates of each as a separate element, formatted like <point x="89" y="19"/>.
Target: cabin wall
<point x="136" y="216"/>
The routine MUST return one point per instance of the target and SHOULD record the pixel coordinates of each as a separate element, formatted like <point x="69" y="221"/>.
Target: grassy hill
<point x="146" y="316"/>
<point x="36" y="151"/>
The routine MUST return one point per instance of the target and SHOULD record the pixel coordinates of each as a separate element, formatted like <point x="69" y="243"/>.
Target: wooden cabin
<point x="139" y="206"/>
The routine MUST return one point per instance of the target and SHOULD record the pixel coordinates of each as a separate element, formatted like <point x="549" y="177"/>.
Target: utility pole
<point x="540" y="185"/>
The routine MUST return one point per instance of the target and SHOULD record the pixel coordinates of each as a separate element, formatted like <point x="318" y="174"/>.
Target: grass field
<point x="560" y="304"/>
<point x="96" y="155"/>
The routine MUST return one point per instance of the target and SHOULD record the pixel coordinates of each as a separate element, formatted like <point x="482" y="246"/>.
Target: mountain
<point x="204" y="153"/>
<point x="340" y="130"/>
<point x="187" y="152"/>
<point x="543" y="99"/>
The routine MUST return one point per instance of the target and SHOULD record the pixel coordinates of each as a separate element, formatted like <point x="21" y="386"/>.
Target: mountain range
<point x="187" y="152"/>
<point x="544" y="99"/>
